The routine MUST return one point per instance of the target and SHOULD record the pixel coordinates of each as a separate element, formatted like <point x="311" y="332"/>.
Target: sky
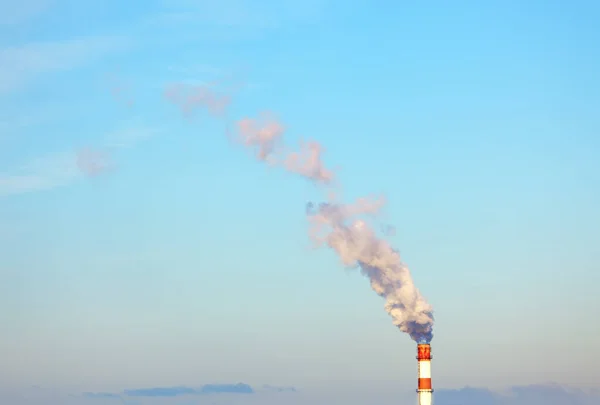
<point x="144" y="247"/>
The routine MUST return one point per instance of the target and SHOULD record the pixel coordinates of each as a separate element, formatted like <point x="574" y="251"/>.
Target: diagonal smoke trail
<point x="92" y="162"/>
<point x="264" y="137"/>
<point x="191" y="98"/>
<point x="344" y="229"/>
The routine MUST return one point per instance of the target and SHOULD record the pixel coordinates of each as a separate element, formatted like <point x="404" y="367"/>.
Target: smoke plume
<point x="92" y="162"/>
<point x="262" y="136"/>
<point x="265" y="137"/>
<point x="190" y="98"/>
<point x="307" y="162"/>
<point x="345" y="227"/>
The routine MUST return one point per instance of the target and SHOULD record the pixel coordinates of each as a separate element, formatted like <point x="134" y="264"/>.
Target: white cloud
<point x="20" y="63"/>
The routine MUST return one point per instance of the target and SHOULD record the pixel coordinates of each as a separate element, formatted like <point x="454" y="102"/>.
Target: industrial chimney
<point x="424" y="392"/>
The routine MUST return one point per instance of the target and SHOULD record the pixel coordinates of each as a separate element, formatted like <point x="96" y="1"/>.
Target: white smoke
<point x="344" y="229"/>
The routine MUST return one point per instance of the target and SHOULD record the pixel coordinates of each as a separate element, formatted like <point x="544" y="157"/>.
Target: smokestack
<point x="424" y="392"/>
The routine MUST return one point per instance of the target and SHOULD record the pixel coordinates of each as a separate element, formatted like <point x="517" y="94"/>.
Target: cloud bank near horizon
<point x="154" y="392"/>
<point x="225" y="394"/>
<point x="537" y="394"/>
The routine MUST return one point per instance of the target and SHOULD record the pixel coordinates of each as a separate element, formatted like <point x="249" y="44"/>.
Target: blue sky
<point x="188" y="262"/>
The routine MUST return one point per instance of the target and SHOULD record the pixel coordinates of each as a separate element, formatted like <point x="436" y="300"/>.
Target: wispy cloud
<point x="550" y="394"/>
<point x="196" y="70"/>
<point x="120" y="90"/>
<point x="239" y="388"/>
<point x="22" y="63"/>
<point x="17" y="118"/>
<point x="234" y="19"/>
<point x="93" y="162"/>
<point x="101" y="395"/>
<point x="41" y="174"/>
<point x="130" y="135"/>
<point x="60" y="169"/>
<point x="16" y="12"/>
<point x="162" y="392"/>
<point x="10" y="126"/>
<point x="231" y="13"/>
<point x="190" y="97"/>
<point x="267" y="387"/>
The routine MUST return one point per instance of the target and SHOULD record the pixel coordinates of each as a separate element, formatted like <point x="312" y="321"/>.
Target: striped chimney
<point x="424" y="391"/>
